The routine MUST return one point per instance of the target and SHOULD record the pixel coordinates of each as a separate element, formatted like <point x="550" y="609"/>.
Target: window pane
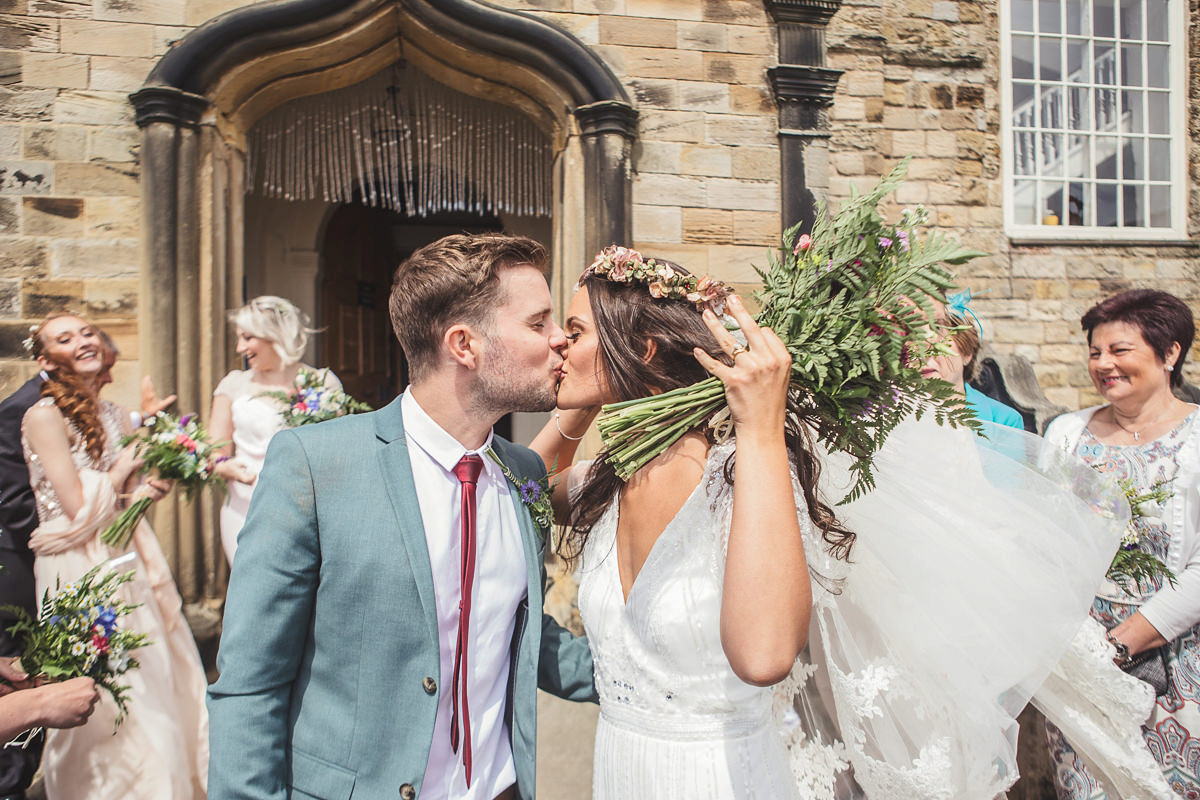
<point x="1159" y="159"/>
<point x="1077" y="17"/>
<point x="1158" y="116"/>
<point x="1131" y="65"/>
<point x="1076" y="53"/>
<point x="1103" y="16"/>
<point x="1105" y="65"/>
<point x="1053" y="156"/>
<point x="1106" y="205"/>
<point x="1053" y="203"/>
<point x="1131" y="112"/>
<point x="1022" y="57"/>
<point x="1023" y="202"/>
<point x="1052" y="107"/>
<point x="1131" y="19"/>
<point x="1158" y="67"/>
<point x="1077" y="205"/>
<point x="1050" y="16"/>
<point x="1022" y="15"/>
<point x="1134" y="212"/>
<point x="1051" y="58"/>
<point x="1106" y="109"/>
<point x="1156" y="20"/>
<point x="1106" y="157"/>
<point x="1077" y="108"/>
<point x="1079" y="160"/>
<point x="1160" y="207"/>
<point x="1133" y="160"/>
<point x="1024" y="152"/>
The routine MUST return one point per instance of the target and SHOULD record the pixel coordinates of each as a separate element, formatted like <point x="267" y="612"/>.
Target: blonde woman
<point x="271" y="336"/>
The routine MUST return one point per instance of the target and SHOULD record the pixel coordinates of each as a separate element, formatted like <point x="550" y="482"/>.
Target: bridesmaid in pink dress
<point x="81" y="479"/>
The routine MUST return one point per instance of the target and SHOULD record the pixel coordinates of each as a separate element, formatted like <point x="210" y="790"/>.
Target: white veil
<point x="974" y="566"/>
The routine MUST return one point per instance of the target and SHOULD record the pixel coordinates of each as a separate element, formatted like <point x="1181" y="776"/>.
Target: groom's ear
<point x="461" y="342"/>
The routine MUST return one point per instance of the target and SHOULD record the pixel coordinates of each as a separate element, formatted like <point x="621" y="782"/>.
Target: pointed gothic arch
<point x="202" y="97"/>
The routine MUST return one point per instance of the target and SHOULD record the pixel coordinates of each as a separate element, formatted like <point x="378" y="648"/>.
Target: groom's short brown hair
<point x="453" y="280"/>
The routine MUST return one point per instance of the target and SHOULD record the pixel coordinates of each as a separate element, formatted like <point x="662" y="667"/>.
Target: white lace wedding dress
<point x="970" y="578"/>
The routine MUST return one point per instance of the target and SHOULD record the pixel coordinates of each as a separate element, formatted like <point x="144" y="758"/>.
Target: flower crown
<point x="626" y="265"/>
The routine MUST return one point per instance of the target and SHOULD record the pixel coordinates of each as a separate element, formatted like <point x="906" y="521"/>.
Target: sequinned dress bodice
<point x="111" y="416"/>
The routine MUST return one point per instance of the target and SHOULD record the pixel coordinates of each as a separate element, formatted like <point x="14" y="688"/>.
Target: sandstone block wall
<point x="920" y="77"/>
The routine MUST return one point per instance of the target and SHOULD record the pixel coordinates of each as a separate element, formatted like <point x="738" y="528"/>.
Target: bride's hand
<point x="155" y="489"/>
<point x="757" y="382"/>
<point x="128" y="462"/>
<point x="233" y="469"/>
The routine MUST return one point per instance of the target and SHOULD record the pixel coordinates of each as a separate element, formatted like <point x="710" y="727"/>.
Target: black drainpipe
<point x="803" y="88"/>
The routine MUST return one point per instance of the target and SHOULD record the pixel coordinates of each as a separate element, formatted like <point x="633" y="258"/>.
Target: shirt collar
<point x="439" y="445"/>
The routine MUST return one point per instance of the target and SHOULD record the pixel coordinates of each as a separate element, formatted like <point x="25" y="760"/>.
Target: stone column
<point x="169" y="316"/>
<point x="803" y="88"/>
<point x="607" y="131"/>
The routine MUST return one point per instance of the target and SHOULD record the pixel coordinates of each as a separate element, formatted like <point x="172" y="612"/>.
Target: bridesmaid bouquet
<point x="853" y="303"/>
<point x="177" y="449"/>
<point x="78" y="633"/>
<point x="1131" y="565"/>
<point x="312" y="401"/>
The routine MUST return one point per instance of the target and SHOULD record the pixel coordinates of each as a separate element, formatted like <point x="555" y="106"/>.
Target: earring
<point x="1169" y="368"/>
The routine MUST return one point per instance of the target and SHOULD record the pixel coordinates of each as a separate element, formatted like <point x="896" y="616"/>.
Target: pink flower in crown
<point x="803" y="243"/>
<point x="665" y="273"/>
<point x="658" y="289"/>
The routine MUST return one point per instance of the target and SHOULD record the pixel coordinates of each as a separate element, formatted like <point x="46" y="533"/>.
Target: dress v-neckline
<point x="654" y="548"/>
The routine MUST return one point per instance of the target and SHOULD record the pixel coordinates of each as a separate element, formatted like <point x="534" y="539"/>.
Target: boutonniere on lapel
<point x="535" y="494"/>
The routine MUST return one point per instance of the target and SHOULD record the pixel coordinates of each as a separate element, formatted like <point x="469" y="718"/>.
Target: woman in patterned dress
<point x="1138" y="341"/>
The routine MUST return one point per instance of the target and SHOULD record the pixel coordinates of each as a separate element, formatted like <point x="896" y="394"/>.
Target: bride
<point x="896" y="669"/>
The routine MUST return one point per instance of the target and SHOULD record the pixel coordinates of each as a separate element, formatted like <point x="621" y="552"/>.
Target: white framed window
<point x="1093" y="119"/>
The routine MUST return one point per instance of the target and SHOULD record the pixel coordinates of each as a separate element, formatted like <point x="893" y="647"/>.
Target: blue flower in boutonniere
<point x="535" y="494"/>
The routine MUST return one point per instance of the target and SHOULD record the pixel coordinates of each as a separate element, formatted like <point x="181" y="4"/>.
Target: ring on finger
<point x="738" y="350"/>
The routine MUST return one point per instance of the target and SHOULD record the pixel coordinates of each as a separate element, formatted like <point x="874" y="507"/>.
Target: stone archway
<point x="200" y="100"/>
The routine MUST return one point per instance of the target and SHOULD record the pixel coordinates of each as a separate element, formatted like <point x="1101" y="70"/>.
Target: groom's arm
<point x="565" y="663"/>
<point x="268" y="617"/>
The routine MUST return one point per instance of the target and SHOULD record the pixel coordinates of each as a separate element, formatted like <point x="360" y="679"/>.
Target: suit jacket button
<point x="407" y="791"/>
<point x="429" y="685"/>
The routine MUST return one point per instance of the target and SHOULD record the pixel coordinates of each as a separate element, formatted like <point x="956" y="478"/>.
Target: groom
<point x="377" y="639"/>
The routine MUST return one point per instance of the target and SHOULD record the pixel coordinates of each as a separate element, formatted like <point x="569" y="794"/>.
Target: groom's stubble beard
<point x="505" y="386"/>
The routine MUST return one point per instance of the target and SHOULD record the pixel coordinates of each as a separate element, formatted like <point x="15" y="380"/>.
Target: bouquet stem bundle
<point x="853" y="303"/>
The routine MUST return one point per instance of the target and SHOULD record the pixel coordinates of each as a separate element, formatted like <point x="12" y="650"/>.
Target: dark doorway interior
<point x="359" y="252"/>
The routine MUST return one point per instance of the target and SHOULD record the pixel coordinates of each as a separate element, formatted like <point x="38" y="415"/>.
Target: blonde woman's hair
<point x="279" y="322"/>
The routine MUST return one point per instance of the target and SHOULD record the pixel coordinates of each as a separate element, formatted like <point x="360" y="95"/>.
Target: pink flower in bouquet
<point x="185" y="441"/>
<point x="803" y="243"/>
<point x="100" y="643"/>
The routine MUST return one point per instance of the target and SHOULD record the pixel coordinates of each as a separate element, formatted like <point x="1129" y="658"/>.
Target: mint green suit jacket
<point x="330" y="629"/>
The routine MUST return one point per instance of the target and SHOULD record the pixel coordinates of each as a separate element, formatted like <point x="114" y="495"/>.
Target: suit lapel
<point x="402" y="491"/>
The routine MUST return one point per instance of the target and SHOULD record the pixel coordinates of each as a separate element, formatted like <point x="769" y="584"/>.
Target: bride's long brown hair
<point x="74" y="398"/>
<point x="627" y="317"/>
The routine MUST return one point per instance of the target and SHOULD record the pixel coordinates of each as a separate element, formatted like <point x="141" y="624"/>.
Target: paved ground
<point x="566" y="732"/>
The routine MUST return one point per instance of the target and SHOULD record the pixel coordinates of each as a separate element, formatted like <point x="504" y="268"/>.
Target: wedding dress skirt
<point x="974" y="567"/>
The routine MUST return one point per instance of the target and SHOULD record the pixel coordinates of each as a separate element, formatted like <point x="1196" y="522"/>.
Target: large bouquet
<point x="853" y="303"/>
<point x="312" y="401"/>
<point x="175" y="449"/>
<point x="78" y="633"/>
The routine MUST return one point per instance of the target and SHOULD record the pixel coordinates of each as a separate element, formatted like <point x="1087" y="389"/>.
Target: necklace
<point x="1137" y="435"/>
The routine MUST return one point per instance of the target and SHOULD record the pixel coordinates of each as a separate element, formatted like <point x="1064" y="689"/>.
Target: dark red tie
<point x="467" y="471"/>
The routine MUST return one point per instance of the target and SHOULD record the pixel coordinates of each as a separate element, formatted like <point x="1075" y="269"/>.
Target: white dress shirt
<point x="500" y="586"/>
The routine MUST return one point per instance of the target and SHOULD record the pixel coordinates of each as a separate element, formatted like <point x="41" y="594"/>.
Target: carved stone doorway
<point x="200" y="103"/>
